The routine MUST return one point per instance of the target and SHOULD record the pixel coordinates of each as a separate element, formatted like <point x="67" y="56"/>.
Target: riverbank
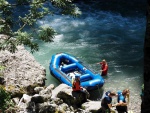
<point x="24" y="77"/>
<point x="21" y="70"/>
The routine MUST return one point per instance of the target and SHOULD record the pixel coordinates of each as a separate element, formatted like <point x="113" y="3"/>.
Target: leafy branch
<point x="14" y="25"/>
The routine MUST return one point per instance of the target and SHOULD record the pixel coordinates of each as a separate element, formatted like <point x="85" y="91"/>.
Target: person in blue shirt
<point x="106" y="104"/>
<point x="121" y="106"/>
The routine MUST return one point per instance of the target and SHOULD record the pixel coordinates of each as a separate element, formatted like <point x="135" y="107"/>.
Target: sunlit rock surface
<point x="22" y="72"/>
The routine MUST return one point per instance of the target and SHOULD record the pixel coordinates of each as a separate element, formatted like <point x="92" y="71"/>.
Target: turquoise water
<point x="100" y="33"/>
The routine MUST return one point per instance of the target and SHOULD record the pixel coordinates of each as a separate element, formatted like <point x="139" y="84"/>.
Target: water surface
<point x="106" y="30"/>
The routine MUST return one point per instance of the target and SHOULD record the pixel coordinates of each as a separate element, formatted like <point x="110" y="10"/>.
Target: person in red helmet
<point x="104" y="67"/>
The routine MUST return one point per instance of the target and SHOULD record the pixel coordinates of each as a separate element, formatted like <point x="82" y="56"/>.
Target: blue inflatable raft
<point x="64" y="67"/>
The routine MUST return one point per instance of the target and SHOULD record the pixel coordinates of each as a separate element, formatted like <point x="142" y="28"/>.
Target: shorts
<point x="122" y="109"/>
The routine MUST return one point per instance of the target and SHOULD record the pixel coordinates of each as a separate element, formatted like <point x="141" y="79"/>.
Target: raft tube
<point x="64" y="67"/>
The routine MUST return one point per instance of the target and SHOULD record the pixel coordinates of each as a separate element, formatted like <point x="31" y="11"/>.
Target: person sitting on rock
<point x="77" y="87"/>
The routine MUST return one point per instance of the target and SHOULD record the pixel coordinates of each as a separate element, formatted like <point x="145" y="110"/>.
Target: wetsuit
<point x="105" y="101"/>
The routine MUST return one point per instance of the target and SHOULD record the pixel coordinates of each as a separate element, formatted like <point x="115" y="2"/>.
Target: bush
<point x="5" y="99"/>
<point x="1" y="70"/>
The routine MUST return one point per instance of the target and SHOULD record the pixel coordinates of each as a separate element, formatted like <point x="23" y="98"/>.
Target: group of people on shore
<point x="121" y="105"/>
<point x="106" y="103"/>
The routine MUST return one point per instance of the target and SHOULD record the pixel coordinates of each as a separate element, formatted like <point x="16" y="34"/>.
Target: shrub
<point x="5" y="99"/>
<point x="1" y="70"/>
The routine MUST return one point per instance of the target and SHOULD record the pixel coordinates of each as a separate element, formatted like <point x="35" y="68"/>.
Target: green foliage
<point x="1" y="69"/>
<point x="4" y="99"/>
<point x="67" y="7"/>
<point x="36" y="9"/>
<point x="107" y="110"/>
<point x="46" y="34"/>
<point x="26" y="39"/>
<point x="9" y="44"/>
<point x="4" y="27"/>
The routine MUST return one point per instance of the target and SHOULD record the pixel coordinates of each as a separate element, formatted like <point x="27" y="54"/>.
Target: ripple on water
<point x="98" y="35"/>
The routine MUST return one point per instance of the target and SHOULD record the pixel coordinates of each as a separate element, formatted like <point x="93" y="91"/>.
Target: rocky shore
<point x="25" y="78"/>
<point x="21" y="71"/>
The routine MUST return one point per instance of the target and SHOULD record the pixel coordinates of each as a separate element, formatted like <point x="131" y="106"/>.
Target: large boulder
<point x="70" y="97"/>
<point x="63" y="101"/>
<point x="44" y="94"/>
<point x="46" y="107"/>
<point x="48" y="91"/>
<point x="92" y="106"/>
<point x="58" y="89"/>
<point x="23" y="103"/>
<point x="21" y="70"/>
<point x="25" y="99"/>
<point x="38" y="89"/>
<point x="42" y="99"/>
<point x="37" y="98"/>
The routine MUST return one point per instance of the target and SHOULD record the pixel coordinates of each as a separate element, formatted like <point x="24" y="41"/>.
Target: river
<point x="112" y="30"/>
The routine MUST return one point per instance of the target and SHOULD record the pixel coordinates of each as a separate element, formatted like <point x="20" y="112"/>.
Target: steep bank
<point x="21" y="70"/>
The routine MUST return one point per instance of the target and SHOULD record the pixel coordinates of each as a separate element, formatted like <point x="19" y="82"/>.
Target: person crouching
<point x="106" y="104"/>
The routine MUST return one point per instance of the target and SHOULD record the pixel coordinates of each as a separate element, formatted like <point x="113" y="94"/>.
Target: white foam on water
<point x="98" y="35"/>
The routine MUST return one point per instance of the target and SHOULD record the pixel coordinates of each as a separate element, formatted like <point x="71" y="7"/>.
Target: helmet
<point x="108" y="92"/>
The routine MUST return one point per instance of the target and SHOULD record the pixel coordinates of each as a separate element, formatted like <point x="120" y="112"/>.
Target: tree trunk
<point x="145" y="107"/>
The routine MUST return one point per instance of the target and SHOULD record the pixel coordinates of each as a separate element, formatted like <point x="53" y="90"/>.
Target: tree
<point x="14" y="25"/>
<point x="5" y="99"/>
<point x="146" y="98"/>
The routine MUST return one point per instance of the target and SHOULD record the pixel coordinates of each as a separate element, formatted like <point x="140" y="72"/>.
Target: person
<point x="76" y="84"/>
<point x="62" y="64"/>
<point x="77" y="87"/>
<point x="121" y="106"/>
<point x="104" y="67"/>
<point x="106" y="104"/>
<point x="142" y="92"/>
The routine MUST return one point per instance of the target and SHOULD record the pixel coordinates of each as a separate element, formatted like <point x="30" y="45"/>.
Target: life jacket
<point x="120" y="97"/>
<point x="76" y="86"/>
<point x="104" y="67"/>
<point x="106" y="100"/>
